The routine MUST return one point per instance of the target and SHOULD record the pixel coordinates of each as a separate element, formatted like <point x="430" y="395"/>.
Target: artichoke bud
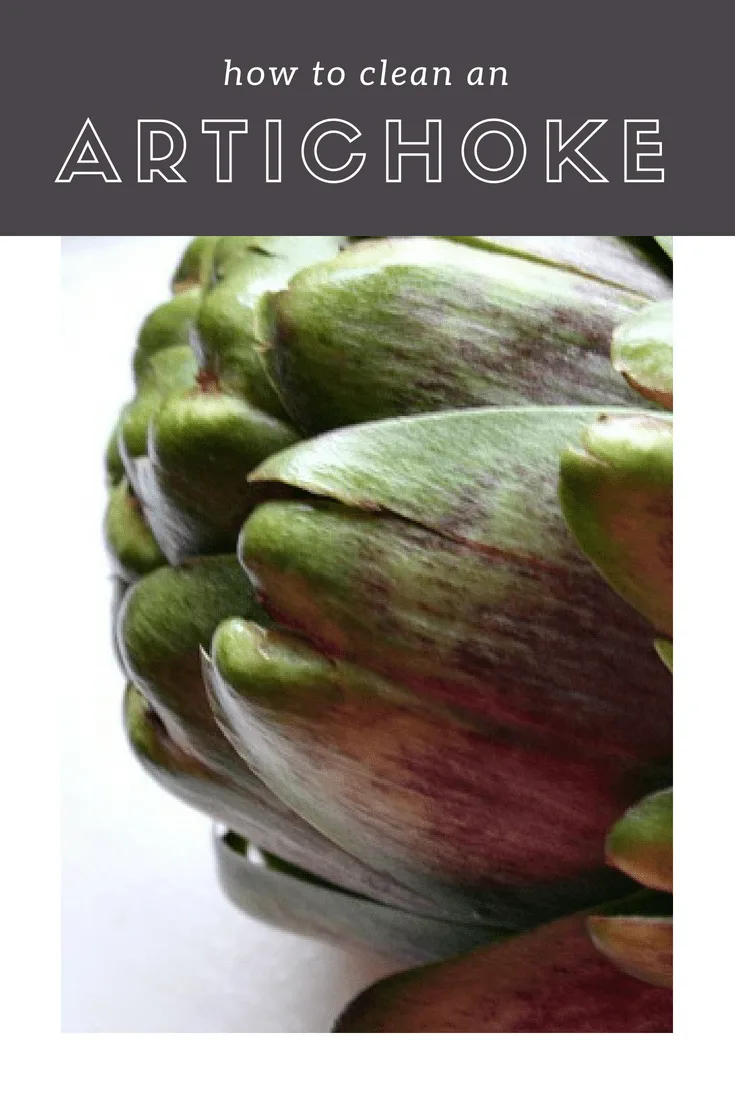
<point x="642" y="351"/>
<point x="402" y="326"/>
<point x="616" y="494"/>
<point x="193" y="270"/>
<point x="415" y="694"/>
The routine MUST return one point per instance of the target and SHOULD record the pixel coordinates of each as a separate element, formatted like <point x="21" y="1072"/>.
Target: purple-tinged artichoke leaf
<point x="412" y="325"/>
<point x="433" y="551"/>
<point x="551" y="980"/>
<point x="483" y="819"/>
<point x="237" y="797"/>
<point x="640" y="945"/>
<point x="286" y="896"/>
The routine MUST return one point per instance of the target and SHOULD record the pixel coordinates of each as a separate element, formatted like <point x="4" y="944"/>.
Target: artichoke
<point x="367" y="627"/>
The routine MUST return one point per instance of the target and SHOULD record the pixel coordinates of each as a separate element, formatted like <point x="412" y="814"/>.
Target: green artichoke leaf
<point x="244" y="268"/>
<point x="131" y="543"/>
<point x="119" y="589"/>
<point x="280" y="894"/>
<point x="114" y="466"/>
<point x="201" y="443"/>
<point x="484" y="477"/>
<point x="151" y="741"/>
<point x="237" y="797"/>
<point x="611" y="260"/>
<point x="201" y="446"/>
<point x="665" y="651"/>
<point x="270" y="258"/>
<point x="132" y="427"/>
<point x="164" y="620"/>
<point x="170" y="325"/>
<point x="484" y="821"/>
<point x="551" y="980"/>
<point x="433" y="550"/>
<point x="667" y="244"/>
<point x="194" y="267"/>
<point x="169" y="370"/>
<point x="411" y="325"/>
<point x="641" y="843"/>
<point x="643" y="352"/>
<point x="616" y="494"/>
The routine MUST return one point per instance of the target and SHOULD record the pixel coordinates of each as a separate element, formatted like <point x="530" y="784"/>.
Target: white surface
<point x="149" y="944"/>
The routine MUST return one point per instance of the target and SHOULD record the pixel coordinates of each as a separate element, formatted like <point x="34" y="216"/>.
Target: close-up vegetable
<point x="391" y="532"/>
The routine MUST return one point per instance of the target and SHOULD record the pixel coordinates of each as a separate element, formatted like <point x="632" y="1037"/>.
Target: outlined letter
<point x="396" y="149"/>
<point x="88" y="157"/>
<point x="310" y="151"/>
<point x="163" y="163"/>
<point x="273" y="156"/>
<point x="556" y="157"/>
<point x="224" y="128"/>
<point x="494" y="174"/>
<point x="636" y="148"/>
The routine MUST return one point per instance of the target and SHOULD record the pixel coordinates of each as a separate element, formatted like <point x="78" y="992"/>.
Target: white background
<point x="149" y="944"/>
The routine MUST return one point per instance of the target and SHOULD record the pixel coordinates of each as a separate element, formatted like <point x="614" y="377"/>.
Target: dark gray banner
<point x="383" y="118"/>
